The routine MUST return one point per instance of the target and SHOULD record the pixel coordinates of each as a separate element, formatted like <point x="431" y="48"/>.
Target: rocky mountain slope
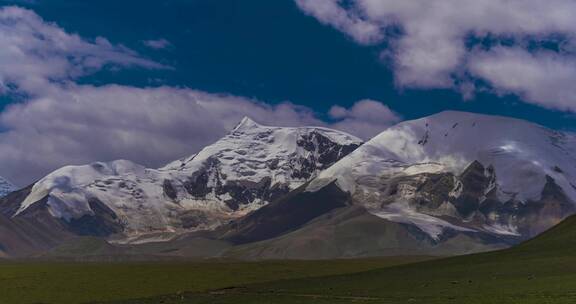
<point x="463" y="171"/>
<point x="449" y="183"/>
<point x="128" y="203"/>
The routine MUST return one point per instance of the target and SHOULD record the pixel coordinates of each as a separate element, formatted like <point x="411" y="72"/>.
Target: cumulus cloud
<point x="435" y="46"/>
<point x="366" y="118"/>
<point x="35" y="53"/>
<point x="544" y="78"/>
<point x="330" y="12"/>
<point x="61" y="122"/>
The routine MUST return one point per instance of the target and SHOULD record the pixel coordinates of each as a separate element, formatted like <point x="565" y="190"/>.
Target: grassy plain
<point x="540" y="271"/>
<point x="37" y="282"/>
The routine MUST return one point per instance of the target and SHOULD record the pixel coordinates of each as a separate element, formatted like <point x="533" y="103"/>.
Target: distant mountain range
<point x="450" y="183"/>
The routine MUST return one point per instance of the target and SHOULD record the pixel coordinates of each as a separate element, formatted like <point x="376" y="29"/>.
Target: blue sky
<point x="266" y="52"/>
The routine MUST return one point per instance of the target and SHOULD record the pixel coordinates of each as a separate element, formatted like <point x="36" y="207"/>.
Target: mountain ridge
<point x="243" y="171"/>
<point x="454" y="182"/>
<point x="512" y="153"/>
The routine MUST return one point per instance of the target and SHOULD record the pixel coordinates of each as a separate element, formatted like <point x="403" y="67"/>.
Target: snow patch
<point x="402" y="213"/>
<point x="502" y="229"/>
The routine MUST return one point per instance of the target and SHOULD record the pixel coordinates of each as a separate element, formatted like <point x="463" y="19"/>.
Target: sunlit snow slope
<point x="241" y="172"/>
<point x="463" y="171"/>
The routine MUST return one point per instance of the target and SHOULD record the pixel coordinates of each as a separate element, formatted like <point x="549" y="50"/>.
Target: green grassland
<point x="511" y="279"/>
<point x="62" y="282"/>
<point x="540" y="271"/>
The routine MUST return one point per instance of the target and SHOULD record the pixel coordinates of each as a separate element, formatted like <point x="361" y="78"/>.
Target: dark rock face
<point x="324" y="153"/>
<point x="193" y="218"/>
<point x="211" y="182"/>
<point x="197" y="186"/>
<point x="553" y="207"/>
<point x="436" y="190"/>
<point x="169" y="189"/>
<point x="10" y="204"/>
<point x="286" y="214"/>
<point x="475" y="182"/>
<point x="471" y="200"/>
<point x="103" y="222"/>
<point x="531" y="218"/>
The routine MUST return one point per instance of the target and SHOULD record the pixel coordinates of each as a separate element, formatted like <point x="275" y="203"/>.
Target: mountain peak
<point x="246" y="123"/>
<point x="239" y="173"/>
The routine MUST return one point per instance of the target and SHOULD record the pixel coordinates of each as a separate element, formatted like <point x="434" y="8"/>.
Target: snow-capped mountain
<point x="451" y="183"/>
<point x="463" y="172"/>
<point x="241" y="172"/>
<point x="5" y="187"/>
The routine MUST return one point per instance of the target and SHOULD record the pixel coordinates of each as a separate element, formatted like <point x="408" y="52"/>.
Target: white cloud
<point x="157" y="44"/>
<point x="431" y="52"/>
<point x="80" y="124"/>
<point x="62" y="122"/>
<point x="35" y="53"/>
<point x="366" y="118"/>
<point x="331" y="13"/>
<point x="545" y="78"/>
